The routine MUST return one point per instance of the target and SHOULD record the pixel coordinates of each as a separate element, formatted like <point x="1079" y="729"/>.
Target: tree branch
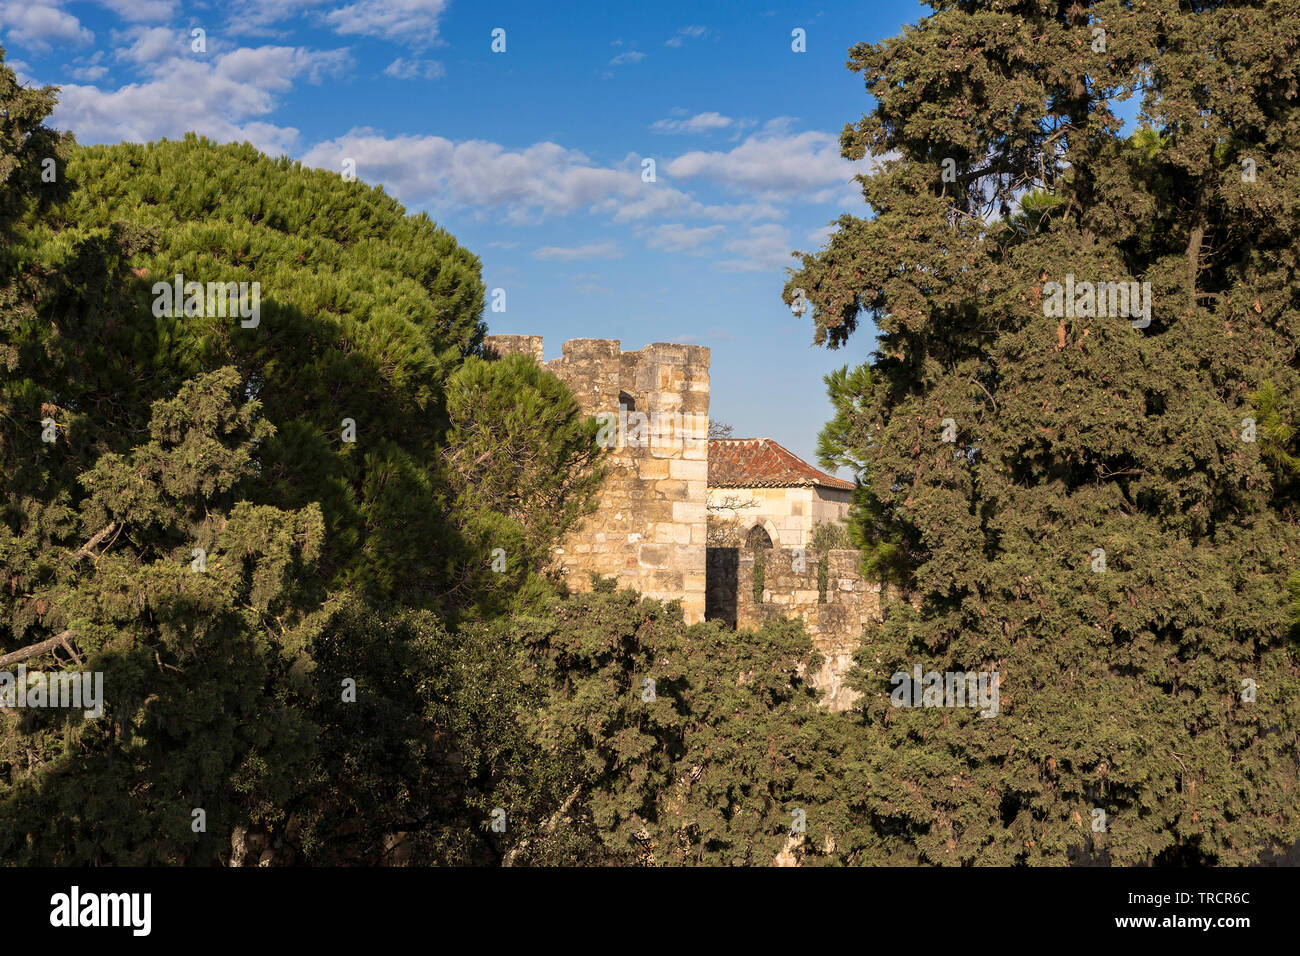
<point x="89" y="546"/>
<point x="34" y="650"/>
<point x="509" y="858"/>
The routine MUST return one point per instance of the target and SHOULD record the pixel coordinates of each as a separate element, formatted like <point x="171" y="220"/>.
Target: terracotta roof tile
<point x="762" y="463"/>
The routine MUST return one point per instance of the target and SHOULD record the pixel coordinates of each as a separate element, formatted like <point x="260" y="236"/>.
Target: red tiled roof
<point x="762" y="463"/>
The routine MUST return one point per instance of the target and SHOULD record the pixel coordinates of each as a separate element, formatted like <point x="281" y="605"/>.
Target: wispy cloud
<point x="699" y="123"/>
<point x="631" y="56"/>
<point x="415" y="69"/>
<point x="767" y="247"/>
<point x="412" y="22"/>
<point x="142" y="11"/>
<point x="588" y="283"/>
<point x="774" y="164"/>
<point x="675" y="237"/>
<point x="684" y="34"/>
<point x="90" y="70"/>
<point x="590" y="250"/>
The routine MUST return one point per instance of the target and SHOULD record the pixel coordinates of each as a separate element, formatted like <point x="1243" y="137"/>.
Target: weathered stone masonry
<point x="824" y="589"/>
<point x="649" y="528"/>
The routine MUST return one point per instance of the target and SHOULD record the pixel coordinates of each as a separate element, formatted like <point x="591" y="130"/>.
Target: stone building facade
<point x="648" y="532"/>
<point x="758" y="485"/>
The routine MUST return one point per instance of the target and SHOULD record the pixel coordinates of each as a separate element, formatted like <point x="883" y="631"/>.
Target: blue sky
<point x="533" y="157"/>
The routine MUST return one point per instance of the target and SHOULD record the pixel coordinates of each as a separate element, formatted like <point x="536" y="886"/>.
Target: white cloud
<point x="221" y="98"/>
<point x="255" y="16"/>
<point x="685" y="33"/>
<point x="414" y="69"/>
<point x="700" y="122"/>
<point x="525" y="185"/>
<point x="88" y="69"/>
<point x="544" y="179"/>
<point x="675" y="237"/>
<point x="276" y="67"/>
<point x="414" y="22"/>
<point x="151" y="46"/>
<point x="89" y="74"/>
<point x="631" y="56"/>
<point x="591" y="250"/>
<point x="773" y="165"/>
<point x="35" y="25"/>
<point x="141" y="10"/>
<point x="647" y="202"/>
<point x="766" y="247"/>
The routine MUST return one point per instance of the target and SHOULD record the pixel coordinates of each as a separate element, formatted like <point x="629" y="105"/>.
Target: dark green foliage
<point x="190" y="658"/>
<point x="522" y="463"/>
<point x="694" y="768"/>
<point x="25" y="144"/>
<point x="1123" y="689"/>
<point x="846" y="442"/>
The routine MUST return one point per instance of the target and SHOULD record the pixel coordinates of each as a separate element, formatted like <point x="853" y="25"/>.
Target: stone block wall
<point x="834" y="616"/>
<point x="649" y="529"/>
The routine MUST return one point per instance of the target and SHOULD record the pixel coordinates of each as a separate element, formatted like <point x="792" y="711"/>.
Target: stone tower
<point x="653" y="404"/>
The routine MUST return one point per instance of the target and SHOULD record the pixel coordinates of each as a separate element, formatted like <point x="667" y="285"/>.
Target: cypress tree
<point x="1078" y="500"/>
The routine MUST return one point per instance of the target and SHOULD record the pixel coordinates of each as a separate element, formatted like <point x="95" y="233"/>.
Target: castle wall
<point x="834" y="612"/>
<point x="648" y="531"/>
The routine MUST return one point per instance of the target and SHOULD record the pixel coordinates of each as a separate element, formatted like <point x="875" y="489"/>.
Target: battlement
<point x="500" y="346"/>
<point x="649" y="528"/>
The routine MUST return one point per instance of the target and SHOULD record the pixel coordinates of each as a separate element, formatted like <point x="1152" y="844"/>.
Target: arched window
<point x="758" y="538"/>
<point x="625" y="403"/>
